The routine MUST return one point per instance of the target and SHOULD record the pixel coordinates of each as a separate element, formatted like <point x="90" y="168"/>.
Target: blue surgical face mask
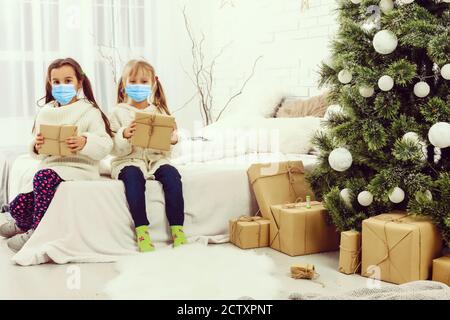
<point x="63" y="93"/>
<point x="138" y="92"/>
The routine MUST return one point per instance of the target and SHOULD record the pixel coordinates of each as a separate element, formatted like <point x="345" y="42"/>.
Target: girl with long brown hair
<point x="65" y="84"/>
<point x="140" y="90"/>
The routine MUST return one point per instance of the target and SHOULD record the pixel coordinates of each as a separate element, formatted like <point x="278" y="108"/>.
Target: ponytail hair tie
<point x="156" y="77"/>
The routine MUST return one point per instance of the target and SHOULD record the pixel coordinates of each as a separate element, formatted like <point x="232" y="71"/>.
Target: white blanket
<point x="90" y="222"/>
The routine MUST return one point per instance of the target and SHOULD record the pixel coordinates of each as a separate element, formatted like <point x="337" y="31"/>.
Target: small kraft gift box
<point x="399" y="248"/>
<point x="153" y="131"/>
<point x="350" y="252"/>
<point x="249" y="232"/>
<point x="55" y="139"/>
<point x="302" y="228"/>
<point x="441" y="270"/>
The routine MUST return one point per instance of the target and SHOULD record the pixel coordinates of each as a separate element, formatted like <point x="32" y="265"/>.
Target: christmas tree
<point x="386" y="141"/>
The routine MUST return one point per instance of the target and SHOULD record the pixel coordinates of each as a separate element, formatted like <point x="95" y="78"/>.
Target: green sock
<point x="178" y="236"/>
<point x="143" y="239"/>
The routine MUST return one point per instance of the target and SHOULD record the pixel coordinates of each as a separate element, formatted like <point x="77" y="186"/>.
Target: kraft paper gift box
<point x="153" y="131"/>
<point x="55" y="139"/>
<point x="441" y="270"/>
<point x="298" y="230"/>
<point x="278" y="183"/>
<point x="249" y="232"/>
<point x="350" y="252"/>
<point x="399" y="248"/>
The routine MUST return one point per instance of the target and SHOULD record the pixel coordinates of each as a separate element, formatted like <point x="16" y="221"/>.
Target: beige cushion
<point x="292" y="107"/>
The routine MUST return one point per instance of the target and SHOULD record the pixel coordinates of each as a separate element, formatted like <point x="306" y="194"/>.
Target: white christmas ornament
<point x="340" y="159"/>
<point x="397" y="195"/>
<point x="365" y="198"/>
<point x="346" y="196"/>
<point x="385" y="42"/>
<point x="386" y="5"/>
<point x="345" y="76"/>
<point x="445" y="70"/>
<point x="427" y="195"/>
<point x="421" y="89"/>
<point x="412" y="136"/>
<point x="386" y="83"/>
<point x="334" y="108"/>
<point x="405" y="1"/>
<point x="366" y="92"/>
<point x="439" y="135"/>
<point x="356" y="1"/>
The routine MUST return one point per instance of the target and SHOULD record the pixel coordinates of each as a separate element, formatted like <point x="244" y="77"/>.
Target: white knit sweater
<point x="85" y="164"/>
<point x="148" y="160"/>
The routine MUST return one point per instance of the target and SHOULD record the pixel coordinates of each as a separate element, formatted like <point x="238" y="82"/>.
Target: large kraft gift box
<point x="153" y="131"/>
<point x="350" y="252"/>
<point x="299" y="230"/>
<point x="249" y="232"/>
<point x="55" y="139"/>
<point x="399" y="248"/>
<point x="441" y="270"/>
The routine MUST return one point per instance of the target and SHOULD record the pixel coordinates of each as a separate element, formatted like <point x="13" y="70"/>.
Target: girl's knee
<point x="168" y="172"/>
<point x="131" y="173"/>
<point x="42" y="174"/>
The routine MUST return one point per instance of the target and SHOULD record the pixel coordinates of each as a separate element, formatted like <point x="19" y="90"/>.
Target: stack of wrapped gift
<point x="296" y="228"/>
<point x="153" y="131"/>
<point x="249" y="232"/>
<point x="441" y="270"/>
<point x="399" y="248"/>
<point x="55" y="139"/>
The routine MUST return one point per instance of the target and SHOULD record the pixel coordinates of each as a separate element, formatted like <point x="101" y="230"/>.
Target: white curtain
<point x="100" y="34"/>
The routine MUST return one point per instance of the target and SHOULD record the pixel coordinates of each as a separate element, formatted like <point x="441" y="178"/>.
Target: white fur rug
<point x="194" y="272"/>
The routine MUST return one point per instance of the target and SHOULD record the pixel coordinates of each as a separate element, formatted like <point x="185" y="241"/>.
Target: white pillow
<point x="261" y="135"/>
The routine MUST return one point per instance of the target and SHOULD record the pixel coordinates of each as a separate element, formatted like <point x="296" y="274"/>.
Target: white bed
<point x="90" y="222"/>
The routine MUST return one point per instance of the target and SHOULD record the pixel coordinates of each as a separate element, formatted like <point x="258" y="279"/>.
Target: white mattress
<point x="89" y="221"/>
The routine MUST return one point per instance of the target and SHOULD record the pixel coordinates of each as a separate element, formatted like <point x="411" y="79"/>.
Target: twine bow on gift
<point x="292" y="171"/>
<point x="245" y="218"/>
<point x="354" y="256"/>
<point x="298" y="203"/>
<point x="150" y="121"/>
<point x="60" y="141"/>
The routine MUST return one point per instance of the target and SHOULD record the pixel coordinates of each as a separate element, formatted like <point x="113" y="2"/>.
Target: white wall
<point x="291" y="42"/>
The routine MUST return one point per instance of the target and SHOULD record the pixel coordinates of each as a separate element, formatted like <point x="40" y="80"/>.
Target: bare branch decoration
<point x="202" y="76"/>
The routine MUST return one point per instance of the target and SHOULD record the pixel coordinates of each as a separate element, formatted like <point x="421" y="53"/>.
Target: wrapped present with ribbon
<point x="249" y="232"/>
<point x="350" y="252"/>
<point x="441" y="270"/>
<point x="153" y="131"/>
<point x="398" y="247"/>
<point x="55" y="139"/>
<point x="302" y="228"/>
<point x="277" y="183"/>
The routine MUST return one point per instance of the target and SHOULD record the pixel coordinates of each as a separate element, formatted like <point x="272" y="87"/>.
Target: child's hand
<point x="174" y="138"/>
<point x="129" y="131"/>
<point x="39" y="141"/>
<point x="76" y="143"/>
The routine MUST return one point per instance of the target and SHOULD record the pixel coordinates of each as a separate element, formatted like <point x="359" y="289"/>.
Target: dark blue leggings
<point x="170" y="178"/>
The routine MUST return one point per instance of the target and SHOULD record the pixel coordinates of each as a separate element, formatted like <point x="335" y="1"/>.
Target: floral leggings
<point x="29" y="208"/>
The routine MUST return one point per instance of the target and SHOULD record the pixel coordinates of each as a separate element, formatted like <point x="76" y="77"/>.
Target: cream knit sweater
<point x="85" y="164"/>
<point x="148" y="160"/>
